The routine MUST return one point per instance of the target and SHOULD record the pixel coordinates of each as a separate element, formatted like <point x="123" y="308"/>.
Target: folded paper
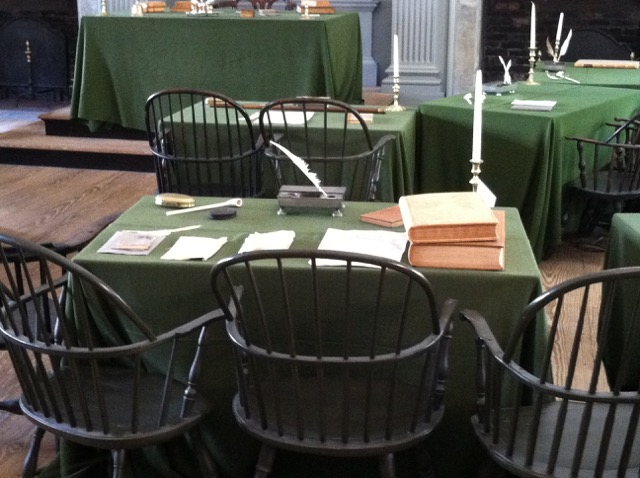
<point x="262" y="241"/>
<point x="194" y="248"/>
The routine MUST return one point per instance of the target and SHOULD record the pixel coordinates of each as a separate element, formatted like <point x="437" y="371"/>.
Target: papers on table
<point x="387" y="244"/>
<point x="374" y="242"/>
<point x="138" y="243"/>
<point x="279" y="117"/>
<point x="533" y="105"/>
<point x="132" y="243"/>
<point x="262" y="241"/>
<point x="194" y="248"/>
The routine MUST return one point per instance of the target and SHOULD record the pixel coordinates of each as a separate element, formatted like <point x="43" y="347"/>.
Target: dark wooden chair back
<point x="346" y="360"/>
<point x="609" y="170"/>
<point x="97" y="375"/>
<point x="334" y="142"/>
<point x="203" y="144"/>
<point x="573" y="409"/>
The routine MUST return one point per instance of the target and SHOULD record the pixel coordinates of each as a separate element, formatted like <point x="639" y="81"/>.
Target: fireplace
<point x="37" y="41"/>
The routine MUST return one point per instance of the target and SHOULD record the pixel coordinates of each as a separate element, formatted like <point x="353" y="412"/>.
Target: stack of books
<point x="155" y="7"/>
<point x="316" y="7"/>
<point x="453" y="230"/>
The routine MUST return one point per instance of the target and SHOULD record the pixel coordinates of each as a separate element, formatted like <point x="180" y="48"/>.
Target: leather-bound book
<point x="448" y="217"/>
<point x="386" y="217"/>
<point x="481" y="255"/>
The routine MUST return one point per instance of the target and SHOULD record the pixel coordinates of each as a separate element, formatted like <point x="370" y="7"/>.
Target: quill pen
<point x="565" y="45"/>
<point x="302" y="166"/>
<point x="550" y="49"/>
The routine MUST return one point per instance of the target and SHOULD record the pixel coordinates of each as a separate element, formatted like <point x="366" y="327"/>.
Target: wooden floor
<point x="53" y="203"/>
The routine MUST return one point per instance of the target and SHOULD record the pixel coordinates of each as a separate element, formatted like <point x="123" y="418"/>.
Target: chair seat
<point x="620" y="185"/>
<point x="115" y="385"/>
<point x="547" y="427"/>
<point x="332" y="404"/>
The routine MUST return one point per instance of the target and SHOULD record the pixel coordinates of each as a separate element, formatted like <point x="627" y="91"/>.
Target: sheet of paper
<point x="387" y="244"/>
<point x="292" y="117"/>
<point x="194" y="248"/>
<point x="262" y="241"/>
<point x="132" y="243"/>
<point x="533" y="105"/>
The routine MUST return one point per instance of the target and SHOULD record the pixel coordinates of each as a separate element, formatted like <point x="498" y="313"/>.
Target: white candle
<point x="477" y="118"/>
<point x="559" y="32"/>
<point x="532" y="35"/>
<point x="396" y="61"/>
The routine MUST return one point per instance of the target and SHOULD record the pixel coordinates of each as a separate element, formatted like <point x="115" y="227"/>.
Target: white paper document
<point x="132" y="243"/>
<point x="263" y="241"/>
<point x="292" y="117"/>
<point x="194" y="248"/>
<point x="533" y="105"/>
<point x="387" y="244"/>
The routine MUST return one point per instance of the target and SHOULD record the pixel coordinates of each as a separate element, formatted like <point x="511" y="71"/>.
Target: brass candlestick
<point x="103" y="10"/>
<point x="475" y="172"/>
<point x="396" y="93"/>
<point x="532" y="64"/>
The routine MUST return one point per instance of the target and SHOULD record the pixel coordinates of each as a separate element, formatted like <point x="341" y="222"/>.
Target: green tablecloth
<point x="623" y="250"/>
<point x="122" y="60"/>
<point x="527" y="161"/>
<point x="166" y="293"/>
<point x="610" y="77"/>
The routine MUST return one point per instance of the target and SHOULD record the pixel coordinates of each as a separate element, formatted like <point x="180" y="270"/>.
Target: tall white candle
<point x="532" y="35"/>
<point x="396" y="61"/>
<point x="477" y="118"/>
<point x="559" y="32"/>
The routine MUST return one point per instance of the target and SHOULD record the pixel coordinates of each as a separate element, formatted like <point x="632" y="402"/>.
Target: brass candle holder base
<point x="475" y="171"/>
<point x="395" y="107"/>
<point x="532" y="63"/>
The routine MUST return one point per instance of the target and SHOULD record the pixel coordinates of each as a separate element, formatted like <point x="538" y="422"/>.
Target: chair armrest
<point x="382" y="142"/>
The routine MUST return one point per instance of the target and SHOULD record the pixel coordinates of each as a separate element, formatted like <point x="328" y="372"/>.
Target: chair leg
<point x="30" y="466"/>
<point x="265" y="461"/>
<point x="117" y="463"/>
<point x="387" y="466"/>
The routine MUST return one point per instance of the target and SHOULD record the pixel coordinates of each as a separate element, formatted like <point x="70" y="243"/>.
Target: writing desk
<point x="527" y="161"/>
<point x="121" y="60"/>
<point x="166" y="293"/>
<point x="610" y="77"/>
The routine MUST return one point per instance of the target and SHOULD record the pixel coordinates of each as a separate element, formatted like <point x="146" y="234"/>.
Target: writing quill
<point x="302" y="166"/>
<point x="565" y="45"/>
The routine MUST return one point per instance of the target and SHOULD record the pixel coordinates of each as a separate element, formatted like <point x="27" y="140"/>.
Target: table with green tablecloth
<point x="121" y="60"/>
<point x="623" y="250"/>
<point x="398" y="168"/>
<point x="527" y="161"/>
<point x="167" y="293"/>
<point x="610" y="77"/>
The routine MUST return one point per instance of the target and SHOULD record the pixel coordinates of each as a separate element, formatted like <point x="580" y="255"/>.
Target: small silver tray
<point x="498" y="88"/>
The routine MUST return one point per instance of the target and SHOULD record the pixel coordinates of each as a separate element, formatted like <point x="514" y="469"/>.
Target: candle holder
<point x="103" y="8"/>
<point x="475" y="172"/>
<point x="137" y="10"/>
<point x="532" y="63"/>
<point x="396" y="93"/>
